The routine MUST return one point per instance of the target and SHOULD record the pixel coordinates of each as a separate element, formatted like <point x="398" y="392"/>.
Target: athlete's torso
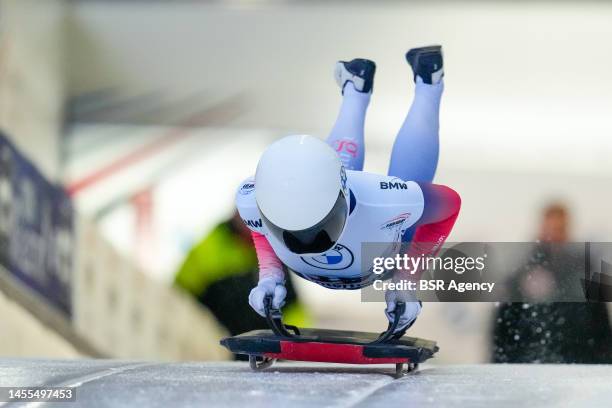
<point x="381" y="209"/>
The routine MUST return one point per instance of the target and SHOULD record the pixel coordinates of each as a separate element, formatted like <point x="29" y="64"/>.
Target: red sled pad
<point x="331" y="346"/>
<point x="264" y="347"/>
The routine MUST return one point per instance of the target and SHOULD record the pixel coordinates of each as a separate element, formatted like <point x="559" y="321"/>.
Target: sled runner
<point x="287" y="342"/>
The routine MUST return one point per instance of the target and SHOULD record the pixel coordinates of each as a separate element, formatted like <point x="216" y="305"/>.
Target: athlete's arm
<point x="271" y="276"/>
<point x="440" y="211"/>
<point x="269" y="264"/>
<point x="441" y="208"/>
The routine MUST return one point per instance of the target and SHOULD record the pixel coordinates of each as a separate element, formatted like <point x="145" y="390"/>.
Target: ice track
<point x="112" y="383"/>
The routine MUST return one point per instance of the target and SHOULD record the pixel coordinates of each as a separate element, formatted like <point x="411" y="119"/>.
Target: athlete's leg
<point x="415" y="152"/>
<point x="347" y="136"/>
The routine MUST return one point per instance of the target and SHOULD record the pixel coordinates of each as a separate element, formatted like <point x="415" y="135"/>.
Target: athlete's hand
<point x="267" y="286"/>
<point x="412" y="310"/>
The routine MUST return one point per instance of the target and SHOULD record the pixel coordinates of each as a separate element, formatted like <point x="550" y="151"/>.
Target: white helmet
<point x="301" y="193"/>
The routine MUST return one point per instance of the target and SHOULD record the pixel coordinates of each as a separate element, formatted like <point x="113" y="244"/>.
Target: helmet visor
<point x="318" y="238"/>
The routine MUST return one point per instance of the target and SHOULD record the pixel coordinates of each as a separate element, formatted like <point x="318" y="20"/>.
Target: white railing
<point x="125" y="314"/>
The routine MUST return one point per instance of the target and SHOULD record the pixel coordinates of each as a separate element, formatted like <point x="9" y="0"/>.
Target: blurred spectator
<point x="551" y="332"/>
<point x="555" y="224"/>
<point x="221" y="270"/>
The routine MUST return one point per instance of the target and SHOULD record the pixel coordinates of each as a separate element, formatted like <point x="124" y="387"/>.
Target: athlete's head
<point x="301" y="193"/>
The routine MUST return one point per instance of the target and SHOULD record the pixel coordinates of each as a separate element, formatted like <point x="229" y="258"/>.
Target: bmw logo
<point x="340" y="257"/>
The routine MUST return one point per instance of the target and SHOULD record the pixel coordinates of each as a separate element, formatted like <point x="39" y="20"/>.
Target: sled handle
<point x="400" y="308"/>
<point x="274" y="318"/>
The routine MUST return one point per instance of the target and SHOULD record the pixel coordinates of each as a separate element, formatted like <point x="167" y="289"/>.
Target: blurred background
<point x="141" y="118"/>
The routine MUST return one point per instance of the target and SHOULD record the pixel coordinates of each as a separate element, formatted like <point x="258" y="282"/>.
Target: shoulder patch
<point x="247" y="187"/>
<point x="247" y="206"/>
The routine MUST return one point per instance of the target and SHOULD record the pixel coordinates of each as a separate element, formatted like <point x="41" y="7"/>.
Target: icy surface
<point x="131" y="384"/>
